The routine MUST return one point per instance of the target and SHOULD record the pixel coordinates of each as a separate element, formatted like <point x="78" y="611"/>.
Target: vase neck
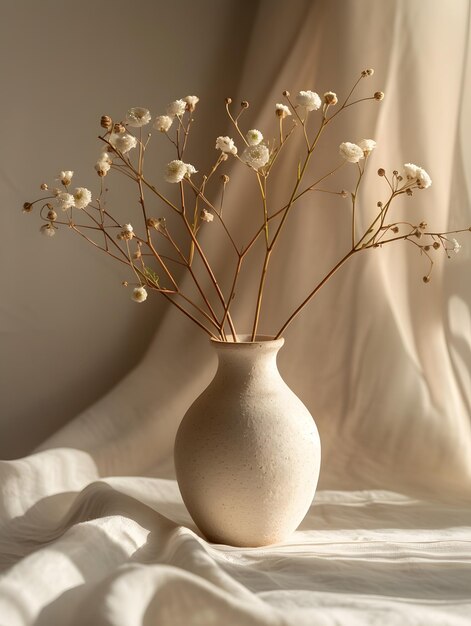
<point x="248" y="358"/>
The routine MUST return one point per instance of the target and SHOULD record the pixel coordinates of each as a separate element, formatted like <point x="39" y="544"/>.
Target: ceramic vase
<point x="247" y="452"/>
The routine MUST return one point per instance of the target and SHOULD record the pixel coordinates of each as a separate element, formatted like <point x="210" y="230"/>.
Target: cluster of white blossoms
<point x="123" y="142"/>
<point x="65" y="200"/>
<point x="80" y="199"/>
<point x="226" y="144"/>
<point x="254" y="137"/>
<point x="177" y="171"/>
<point x="163" y="123"/>
<point x="310" y="100"/>
<point x="65" y="177"/>
<point x="119" y="140"/>
<point x="139" y="294"/>
<point x="137" y="117"/>
<point x="282" y="110"/>
<point x="256" y="156"/>
<point x="103" y="165"/>
<point x="127" y="232"/>
<point x="354" y="152"/>
<point x="414" y="172"/>
<point x="175" y="109"/>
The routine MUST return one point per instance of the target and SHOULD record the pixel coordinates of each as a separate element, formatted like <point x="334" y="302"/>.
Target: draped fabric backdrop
<point x="381" y="359"/>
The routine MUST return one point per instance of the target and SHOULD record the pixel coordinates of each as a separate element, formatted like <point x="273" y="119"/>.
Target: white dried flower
<point x="177" y="170"/>
<point x="282" y="110"/>
<point x="191" y="102"/>
<point x="351" y="152"/>
<point x="65" y="177"/>
<point x="456" y="246"/>
<point x="123" y="142"/>
<point x="176" y="108"/>
<point x="163" y="123"/>
<point x="414" y="172"/>
<point x="103" y="165"/>
<point x="206" y="216"/>
<point x="226" y="144"/>
<point x="139" y="294"/>
<point x="48" y="230"/>
<point x="309" y="99"/>
<point x="254" y="137"/>
<point x="137" y="117"/>
<point x="127" y="232"/>
<point x="423" y="179"/>
<point x="256" y="156"/>
<point x="367" y="145"/>
<point x="65" y="200"/>
<point x="82" y="197"/>
<point x="410" y="171"/>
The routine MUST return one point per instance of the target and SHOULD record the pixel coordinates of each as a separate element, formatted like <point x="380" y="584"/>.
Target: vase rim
<point x="245" y="340"/>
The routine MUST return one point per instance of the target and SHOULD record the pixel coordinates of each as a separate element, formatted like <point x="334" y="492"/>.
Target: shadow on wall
<point x="73" y="332"/>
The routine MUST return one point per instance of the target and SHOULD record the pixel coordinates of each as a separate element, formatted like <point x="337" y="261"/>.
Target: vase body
<point x="247" y="453"/>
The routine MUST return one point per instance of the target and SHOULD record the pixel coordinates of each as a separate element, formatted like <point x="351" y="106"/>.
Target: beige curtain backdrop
<point x="381" y="359"/>
<point x="92" y="527"/>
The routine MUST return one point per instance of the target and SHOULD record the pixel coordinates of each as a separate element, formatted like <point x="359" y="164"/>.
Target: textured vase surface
<point x="247" y="453"/>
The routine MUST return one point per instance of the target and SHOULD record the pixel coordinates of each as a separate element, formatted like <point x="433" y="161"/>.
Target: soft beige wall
<point x="68" y="330"/>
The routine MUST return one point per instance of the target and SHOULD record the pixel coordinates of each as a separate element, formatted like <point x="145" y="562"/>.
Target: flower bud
<point x="426" y="248"/>
<point x="344" y="193"/>
<point x="137" y="255"/>
<point x="395" y="229"/>
<point x="48" y="230"/>
<point x="418" y="234"/>
<point x="206" y="216"/>
<point x="286" y="93"/>
<point x="436" y="245"/>
<point x="381" y="172"/>
<point x="426" y="279"/>
<point x="156" y="222"/>
<point x="119" y="128"/>
<point x="244" y="104"/>
<point x="379" y="204"/>
<point x="51" y="215"/>
<point x="423" y="225"/>
<point x="44" y="186"/>
<point x="106" y="122"/>
<point x="125" y="283"/>
<point x="225" y="179"/>
<point x="368" y="72"/>
<point x="379" y="95"/>
<point x="228" y="100"/>
<point x="27" y="207"/>
<point x="330" y="98"/>
<point x="409" y="192"/>
<point x="224" y="156"/>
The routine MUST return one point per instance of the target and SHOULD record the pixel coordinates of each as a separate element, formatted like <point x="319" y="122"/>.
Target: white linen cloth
<point x="93" y="530"/>
<point x="123" y="551"/>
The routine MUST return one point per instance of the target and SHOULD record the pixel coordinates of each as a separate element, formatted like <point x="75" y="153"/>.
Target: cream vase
<point x="247" y="453"/>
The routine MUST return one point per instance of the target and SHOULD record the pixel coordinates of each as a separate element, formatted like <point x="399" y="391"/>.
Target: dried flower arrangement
<point x="140" y="248"/>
